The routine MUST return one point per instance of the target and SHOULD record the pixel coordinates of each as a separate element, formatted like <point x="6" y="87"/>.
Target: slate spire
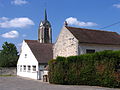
<point x="45" y="15"/>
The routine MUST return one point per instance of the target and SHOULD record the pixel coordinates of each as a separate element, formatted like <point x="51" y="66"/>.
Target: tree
<point x="9" y="55"/>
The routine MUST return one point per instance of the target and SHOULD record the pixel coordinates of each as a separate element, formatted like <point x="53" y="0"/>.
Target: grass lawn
<point x="6" y="75"/>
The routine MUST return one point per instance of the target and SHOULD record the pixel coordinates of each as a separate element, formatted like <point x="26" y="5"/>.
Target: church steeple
<point x="45" y="31"/>
<point x="45" y="15"/>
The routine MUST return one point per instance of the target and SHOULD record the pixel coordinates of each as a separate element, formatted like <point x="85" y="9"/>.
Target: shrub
<point x="88" y="69"/>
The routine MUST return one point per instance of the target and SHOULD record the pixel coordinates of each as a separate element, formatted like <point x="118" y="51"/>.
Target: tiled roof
<point x="43" y="52"/>
<point x="95" y="36"/>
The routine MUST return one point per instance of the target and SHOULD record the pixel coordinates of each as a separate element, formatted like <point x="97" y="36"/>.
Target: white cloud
<point x="4" y="19"/>
<point x="116" y="5"/>
<point x="19" y="2"/>
<point x="11" y="34"/>
<point x="74" y="21"/>
<point x="15" y="23"/>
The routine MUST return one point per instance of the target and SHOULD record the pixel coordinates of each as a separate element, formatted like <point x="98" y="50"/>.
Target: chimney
<point x="65" y="23"/>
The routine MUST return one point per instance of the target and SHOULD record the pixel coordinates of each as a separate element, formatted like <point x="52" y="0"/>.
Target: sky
<point x="20" y="19"/>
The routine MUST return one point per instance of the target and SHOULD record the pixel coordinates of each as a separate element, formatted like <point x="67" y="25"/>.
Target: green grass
<point x="6" y="75"/>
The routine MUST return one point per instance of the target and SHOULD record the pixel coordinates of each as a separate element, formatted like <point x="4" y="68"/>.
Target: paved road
<point x="18" y="83"/>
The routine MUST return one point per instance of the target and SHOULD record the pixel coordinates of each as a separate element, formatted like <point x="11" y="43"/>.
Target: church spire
<point x="45" y="15"/>
<point x="45" y="30"/>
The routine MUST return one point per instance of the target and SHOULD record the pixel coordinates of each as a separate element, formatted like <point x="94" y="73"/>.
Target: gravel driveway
<point x="18" y="83"/>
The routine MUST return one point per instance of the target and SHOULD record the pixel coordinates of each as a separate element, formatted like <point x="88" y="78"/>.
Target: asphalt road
<point x="18" y="83"/>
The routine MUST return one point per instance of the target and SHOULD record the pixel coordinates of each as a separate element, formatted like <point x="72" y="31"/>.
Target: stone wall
<point x="66" y="44"/>
<point x="8" y="71"/>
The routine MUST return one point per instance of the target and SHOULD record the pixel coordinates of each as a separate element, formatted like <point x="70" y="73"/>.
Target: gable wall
<point x="66" y="44"/>
<point x="28" y="60"/>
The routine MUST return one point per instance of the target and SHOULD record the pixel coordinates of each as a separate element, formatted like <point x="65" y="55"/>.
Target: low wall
<point x="8" y="71"/>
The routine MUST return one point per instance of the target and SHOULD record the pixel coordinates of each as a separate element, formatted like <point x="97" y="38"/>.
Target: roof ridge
<point x="90" y="29"/>
<point x="36" y="41"/>
<point x="31" y="41"/>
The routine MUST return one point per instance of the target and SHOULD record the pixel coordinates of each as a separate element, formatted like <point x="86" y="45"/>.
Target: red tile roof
<point x="43" y="52"/>
<point x="95" y="36"/>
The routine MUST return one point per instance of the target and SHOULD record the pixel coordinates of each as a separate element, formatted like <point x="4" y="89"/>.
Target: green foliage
<point x="57" y="65"/>
<point x="8" y="56"/>
<point x="96" y="69"/>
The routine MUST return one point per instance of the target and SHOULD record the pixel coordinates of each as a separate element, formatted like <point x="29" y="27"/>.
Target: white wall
<point x="66" y="44"/>
<point x="97" y="47"/>
<point x="28" y="60"/>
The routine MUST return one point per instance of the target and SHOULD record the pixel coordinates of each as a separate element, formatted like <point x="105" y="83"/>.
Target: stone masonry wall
<point x="8" y="71"/>
<point x="66" y="44"/>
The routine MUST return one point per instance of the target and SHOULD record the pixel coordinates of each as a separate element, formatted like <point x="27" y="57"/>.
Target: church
<point x="71" y="41"/>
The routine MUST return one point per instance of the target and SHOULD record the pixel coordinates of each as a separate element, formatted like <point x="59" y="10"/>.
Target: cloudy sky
<point x="19" y="19"/>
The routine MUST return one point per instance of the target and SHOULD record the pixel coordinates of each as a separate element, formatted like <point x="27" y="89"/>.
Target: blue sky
<point x="19" y="19"/>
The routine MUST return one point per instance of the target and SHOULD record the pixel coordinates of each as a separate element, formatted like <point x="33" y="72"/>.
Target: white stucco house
<point x="33" y="59"/>
<point x="75" y="41"/>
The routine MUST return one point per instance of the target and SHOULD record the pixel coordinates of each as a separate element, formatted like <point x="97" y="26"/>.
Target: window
<point x="24" y="68"/>
<point x="46" y="34"/>
<point x="90" y="51"/>
<point x="34" y="68"/>
<point x="25" y="55"/>
<point x="20" y="68"/>
<point x="41" y="67"/>
<point x="29" y="68"/>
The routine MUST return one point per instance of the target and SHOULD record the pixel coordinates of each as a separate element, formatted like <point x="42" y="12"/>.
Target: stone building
<point x="75" y="41"/>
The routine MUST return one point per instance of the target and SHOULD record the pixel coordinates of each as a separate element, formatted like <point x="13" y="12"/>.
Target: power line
<point x="110" y="25"/>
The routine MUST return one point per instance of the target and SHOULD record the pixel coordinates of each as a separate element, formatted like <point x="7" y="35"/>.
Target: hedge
<point x="97" y="69"/>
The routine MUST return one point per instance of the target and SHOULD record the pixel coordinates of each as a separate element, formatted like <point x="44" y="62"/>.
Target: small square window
<point x="90" y="51"/>
<point x="34" y="68"/>
<point x="24" y="67"/>
<point x="20" y="68"/>
<point x="25" y="55"/>
<point x="29" y="68"/>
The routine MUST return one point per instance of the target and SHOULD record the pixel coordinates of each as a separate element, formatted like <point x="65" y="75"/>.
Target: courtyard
<point x="18" y="83"/>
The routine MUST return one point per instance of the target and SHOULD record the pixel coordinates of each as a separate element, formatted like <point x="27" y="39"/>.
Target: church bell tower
<point x="45" y="31"/>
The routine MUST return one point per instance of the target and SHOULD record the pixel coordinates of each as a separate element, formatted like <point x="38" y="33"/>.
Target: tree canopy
<point x="8" y="55"/>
